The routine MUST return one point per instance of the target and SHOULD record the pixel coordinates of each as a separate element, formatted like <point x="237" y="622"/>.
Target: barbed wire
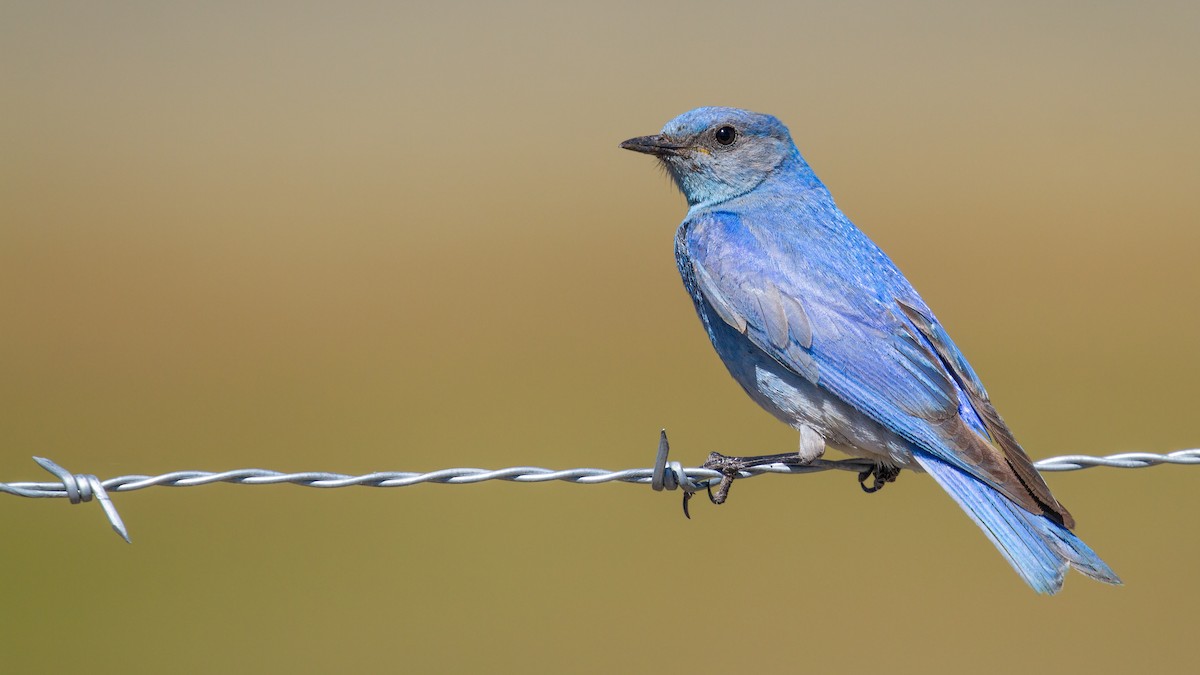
<point x="664" y="475"/>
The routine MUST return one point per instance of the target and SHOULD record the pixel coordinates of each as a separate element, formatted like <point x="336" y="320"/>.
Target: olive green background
<point x="400" y="236"/>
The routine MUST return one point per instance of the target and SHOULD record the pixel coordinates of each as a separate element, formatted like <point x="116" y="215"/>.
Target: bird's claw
<point x="687" y="497"/>
<point x="883" y="474"/>
<point x="729" y="468"/>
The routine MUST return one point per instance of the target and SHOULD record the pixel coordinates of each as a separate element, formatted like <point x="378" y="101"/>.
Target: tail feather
<point x="1039" y="549"/>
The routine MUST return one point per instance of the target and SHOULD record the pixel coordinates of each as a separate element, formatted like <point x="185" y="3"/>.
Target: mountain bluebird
<point x="824" y="332"/>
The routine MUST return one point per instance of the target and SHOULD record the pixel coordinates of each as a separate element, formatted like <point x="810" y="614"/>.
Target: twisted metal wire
<point x="667" y="475"/>
<point x="1125" y="460"/>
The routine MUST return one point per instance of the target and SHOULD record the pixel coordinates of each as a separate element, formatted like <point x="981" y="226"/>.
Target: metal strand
<point x="664" y="475"/>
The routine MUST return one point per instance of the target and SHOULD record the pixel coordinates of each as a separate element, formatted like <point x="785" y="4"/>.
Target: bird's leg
<point x="812" y="446"/>
<point x="729" y="468"/>
<point x="883" y="473"/>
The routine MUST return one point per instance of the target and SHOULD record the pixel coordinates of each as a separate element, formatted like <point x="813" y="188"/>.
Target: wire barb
<point x="664" y="475"/>
<point x="81" y="488"/>
<point x="670" y="475"/>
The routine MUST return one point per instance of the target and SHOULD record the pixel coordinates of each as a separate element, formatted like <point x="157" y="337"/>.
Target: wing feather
<point x="901" y="369"/>
<point x="1017" y="460"/>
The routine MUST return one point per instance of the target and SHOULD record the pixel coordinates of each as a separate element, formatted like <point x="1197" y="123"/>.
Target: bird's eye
<point x="725" y="135"/>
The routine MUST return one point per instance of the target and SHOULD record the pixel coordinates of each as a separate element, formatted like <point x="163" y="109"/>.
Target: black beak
<point x="653" y="145"/>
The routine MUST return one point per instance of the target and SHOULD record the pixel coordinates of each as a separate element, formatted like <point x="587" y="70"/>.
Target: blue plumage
<point x="1039" y="549"/>
<point x="820" y="328"/>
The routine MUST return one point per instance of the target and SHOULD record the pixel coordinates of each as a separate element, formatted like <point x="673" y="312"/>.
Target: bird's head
<point x="715" y="154"/>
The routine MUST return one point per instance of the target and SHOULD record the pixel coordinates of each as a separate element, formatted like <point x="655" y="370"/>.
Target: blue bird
<point x="823" y="331"/>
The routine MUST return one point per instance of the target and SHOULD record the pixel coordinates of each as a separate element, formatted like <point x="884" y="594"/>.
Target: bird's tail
<point x="1039" y="549"/>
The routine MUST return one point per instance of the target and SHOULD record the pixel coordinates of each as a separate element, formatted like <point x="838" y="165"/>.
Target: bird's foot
<point x="883" y="473"/>
<point x="730" y="467"/>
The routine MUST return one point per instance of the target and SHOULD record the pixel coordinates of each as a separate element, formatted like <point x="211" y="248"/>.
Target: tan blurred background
<point x="400" y="236"/>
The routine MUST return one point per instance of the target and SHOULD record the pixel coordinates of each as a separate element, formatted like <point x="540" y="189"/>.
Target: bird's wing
<point x="986" y="414"/>
<point x="839" y="314"/>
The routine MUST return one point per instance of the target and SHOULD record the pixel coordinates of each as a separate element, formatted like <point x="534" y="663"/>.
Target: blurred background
<point x="401" y="236"/>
